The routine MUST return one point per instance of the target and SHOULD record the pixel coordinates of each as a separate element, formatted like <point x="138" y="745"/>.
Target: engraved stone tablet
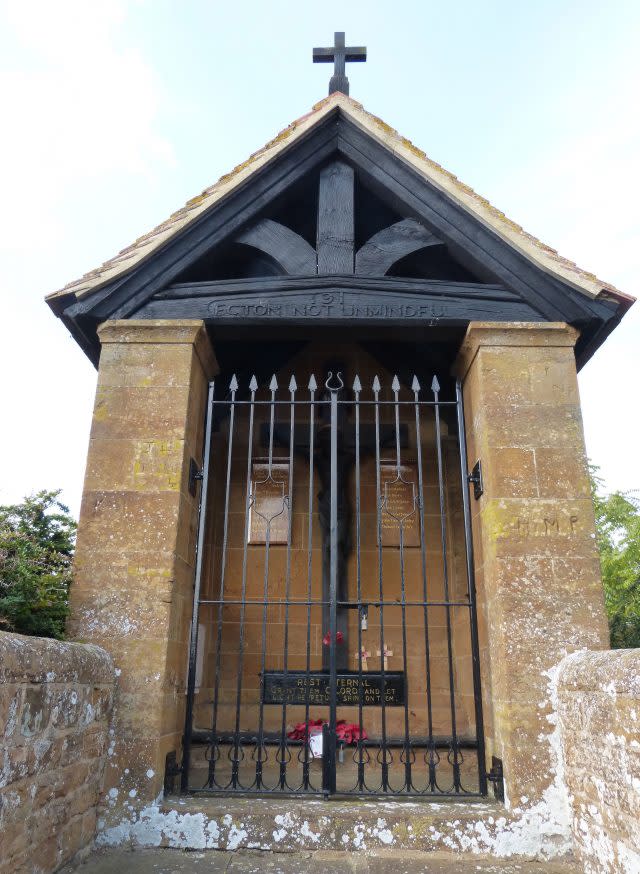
<point x="352" y="688"/>
<point x="399" y="505"/>
<point x="269" y="509"/>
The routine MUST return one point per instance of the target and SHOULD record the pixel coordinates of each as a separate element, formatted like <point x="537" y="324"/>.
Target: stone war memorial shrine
<point x="337" y="535"/>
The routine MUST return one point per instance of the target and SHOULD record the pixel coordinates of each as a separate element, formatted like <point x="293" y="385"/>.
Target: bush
<point x="37" y="539"/>
<point x="618" y="531"/>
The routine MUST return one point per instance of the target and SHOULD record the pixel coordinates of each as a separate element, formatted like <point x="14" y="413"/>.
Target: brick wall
<point x="55" y="707"/>
<point x="599" y="711"/>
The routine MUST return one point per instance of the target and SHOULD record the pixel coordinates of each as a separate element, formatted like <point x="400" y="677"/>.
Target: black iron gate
<point x="334" y="643"/>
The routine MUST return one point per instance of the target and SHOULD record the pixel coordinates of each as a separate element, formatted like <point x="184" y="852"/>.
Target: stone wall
<point x="132" y="591"/>
<point x="537" y="567"/>
<point x="55" y="707"/>
<point x="599" y="712"/>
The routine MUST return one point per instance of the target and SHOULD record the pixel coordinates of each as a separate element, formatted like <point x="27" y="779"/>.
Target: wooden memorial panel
<point x="296" y="687"/>
<point x="399" y="497"/>
<point x="269" y="503"/>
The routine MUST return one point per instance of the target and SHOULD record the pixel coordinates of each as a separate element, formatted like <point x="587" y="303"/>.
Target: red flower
<point x="349" y="733"/>
<point x="346" y="733"/>
<point x="302" y="730"/>
<point x="326" y="640"/>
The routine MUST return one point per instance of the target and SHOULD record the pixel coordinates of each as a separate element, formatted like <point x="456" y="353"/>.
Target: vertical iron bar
<point x="305" y="764"/>
<point x="273" y="386"/>
<point x="384" y="766"/>
<point x="193" y="639"/>
<point x="403" y="596"/>
<point x="471" y="584"/>
<point x="330" y="752"/>
<point x="233" y="386"/>
<point x="423" y="548"/>
<point x="283" y="728"/>
<point x="357" y="388"/>
<point x="435" y="387"/>
<point x="248" y="503"/>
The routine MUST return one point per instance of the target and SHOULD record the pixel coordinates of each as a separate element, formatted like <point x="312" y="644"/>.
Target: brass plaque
<point x="399" y="505"/>
<point x="269" y="506"/>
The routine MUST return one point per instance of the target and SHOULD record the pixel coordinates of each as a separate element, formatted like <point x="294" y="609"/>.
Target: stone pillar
<point x="133" y="583"/>
<point x="538" y="573"/>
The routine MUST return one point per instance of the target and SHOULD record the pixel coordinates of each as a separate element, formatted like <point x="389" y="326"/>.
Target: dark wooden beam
<point x="288" y="249"/>
<point x="382" y="250"/>
<point x="338" y="308"/>
<point x="408" y="191"/>
<point x="318" y="284"/>
<point x="121" y="299"/>
<point x="337" y="300"/>
<point x="335" y="234"/>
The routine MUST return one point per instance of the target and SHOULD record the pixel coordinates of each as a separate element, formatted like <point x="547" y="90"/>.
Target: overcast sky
<point x="115" y="112"/>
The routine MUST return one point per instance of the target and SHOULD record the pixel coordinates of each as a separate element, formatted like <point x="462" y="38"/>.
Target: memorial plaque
<point x="294" y="687"/>
<point x="269" y="503"/>
<point x="399" y="497"/>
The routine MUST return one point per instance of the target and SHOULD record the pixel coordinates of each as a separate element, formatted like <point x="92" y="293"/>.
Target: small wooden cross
<point x="386" y="653"/>
<point x="339" y="54"/>
<point x="361" y="657"/>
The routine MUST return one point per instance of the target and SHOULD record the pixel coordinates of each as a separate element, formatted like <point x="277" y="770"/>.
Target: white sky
<point x="114" y="113"/>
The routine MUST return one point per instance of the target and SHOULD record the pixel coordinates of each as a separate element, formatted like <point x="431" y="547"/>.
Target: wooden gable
<point x="337" y="226"/>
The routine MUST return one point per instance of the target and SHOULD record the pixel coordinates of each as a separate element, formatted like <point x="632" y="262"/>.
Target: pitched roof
<point x="543" y="256"/>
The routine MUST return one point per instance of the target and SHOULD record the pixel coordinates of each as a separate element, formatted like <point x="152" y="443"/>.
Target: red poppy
<point x="346" y="733"/>
<point x="349" y="733"/>
<point x="326" y="640"/>
<point x="302" y="730"/>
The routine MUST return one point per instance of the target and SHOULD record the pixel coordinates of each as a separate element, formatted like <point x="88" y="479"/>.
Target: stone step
<point x="320" y="862"/>
<point x="299" y="824"/>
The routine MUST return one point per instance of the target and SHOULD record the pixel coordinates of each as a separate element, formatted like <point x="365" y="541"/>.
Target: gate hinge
<point x="496" y="776"/>
<point x="475" y="478"/>
<point x="195" y="475"/>
<point x="171" y="770"/>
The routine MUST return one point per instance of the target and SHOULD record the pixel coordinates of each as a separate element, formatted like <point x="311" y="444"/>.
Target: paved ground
<point x="253" y="862"/>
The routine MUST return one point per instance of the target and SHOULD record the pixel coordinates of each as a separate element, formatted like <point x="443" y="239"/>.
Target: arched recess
<point x="391" y="244"/>
<point x="290" y="250"/>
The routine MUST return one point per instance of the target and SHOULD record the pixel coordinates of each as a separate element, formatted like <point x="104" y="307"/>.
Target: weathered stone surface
<point x="320" y="862"/>
<point x="599" y="714"/>
<point x="136" y="539"/>
<point x="293" y="825"/>
<point x="538" y="580"/>
<point x="55" y="708"/>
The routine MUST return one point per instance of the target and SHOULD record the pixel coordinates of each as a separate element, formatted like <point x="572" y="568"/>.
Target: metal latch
<point x="496" y="776"/>
<point x="171" y="770"/>
<point x="475" y="478"/>
<point x="195" y="475"/>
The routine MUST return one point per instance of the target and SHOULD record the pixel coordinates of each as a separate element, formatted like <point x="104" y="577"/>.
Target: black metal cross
<point x="339" y="54"/>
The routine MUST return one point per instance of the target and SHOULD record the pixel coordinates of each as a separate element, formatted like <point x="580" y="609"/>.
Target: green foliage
<point x="618" y="532"/>
<point x="37" y="539"/>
